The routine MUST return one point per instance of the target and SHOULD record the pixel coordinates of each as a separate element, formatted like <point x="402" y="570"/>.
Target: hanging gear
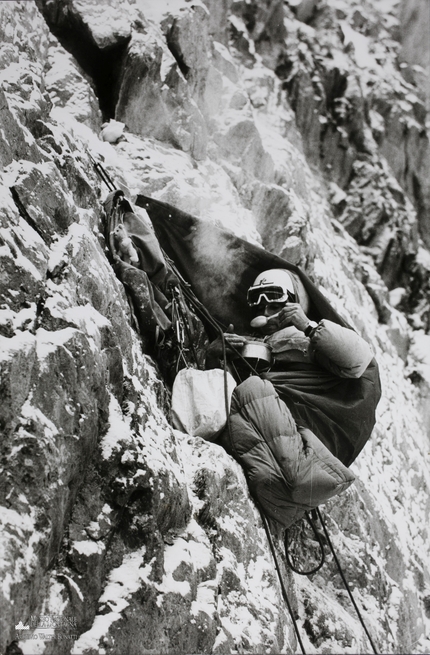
<point x="151" y="307"/>
<point x="171" y="331"/>
<point x="345" y="582"/>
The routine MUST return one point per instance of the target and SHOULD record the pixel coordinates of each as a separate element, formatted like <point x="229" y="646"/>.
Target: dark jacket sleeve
<point x="340" y="350"/>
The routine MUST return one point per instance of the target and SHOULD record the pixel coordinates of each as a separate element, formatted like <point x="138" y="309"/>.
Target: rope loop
<point x="321" y="545"/>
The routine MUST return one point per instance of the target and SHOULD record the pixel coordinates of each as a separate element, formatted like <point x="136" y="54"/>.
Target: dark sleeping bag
<point x="285" y="429"/>
<point x="323" y="381"/>
<point x="289" y="471"/>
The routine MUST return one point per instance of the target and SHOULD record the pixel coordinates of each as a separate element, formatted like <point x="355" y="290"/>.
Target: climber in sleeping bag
<point x="296" y="427"/>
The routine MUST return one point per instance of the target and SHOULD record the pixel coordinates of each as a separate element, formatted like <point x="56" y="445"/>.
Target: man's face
<point x="268" y="308"/>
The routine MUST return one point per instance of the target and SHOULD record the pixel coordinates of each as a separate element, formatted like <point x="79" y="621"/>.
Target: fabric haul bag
<point x="198" y="402"/>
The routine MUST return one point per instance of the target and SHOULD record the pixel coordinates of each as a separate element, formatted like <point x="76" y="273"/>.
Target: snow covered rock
<point x="273" y="120"/>
<point x="414" y="28"/>
<point x="70" y="88"/>
<point x="154" y="99"/>
<point x="112" y="131"/>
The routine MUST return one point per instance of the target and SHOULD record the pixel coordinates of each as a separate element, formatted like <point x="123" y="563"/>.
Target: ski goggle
<point x="270" y="294"/>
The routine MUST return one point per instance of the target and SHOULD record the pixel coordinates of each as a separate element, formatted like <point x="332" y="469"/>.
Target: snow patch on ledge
<point x="88" y="547"/>
<point x="17" y="534"/>
<point x="119" y="430"/>
<point x="123" y="581"/>
<point x="22" y="342"/>
<point x="48" y="342"/>
<point x="420" y="353"/>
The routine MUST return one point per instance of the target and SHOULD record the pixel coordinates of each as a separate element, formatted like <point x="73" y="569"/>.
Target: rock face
<point x="291" y="125"/>
<point x="415" y="54"/>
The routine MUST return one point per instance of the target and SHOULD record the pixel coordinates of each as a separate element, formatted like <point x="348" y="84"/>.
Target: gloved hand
<point x="291" y="314"/>
<point x="215" y="349"/>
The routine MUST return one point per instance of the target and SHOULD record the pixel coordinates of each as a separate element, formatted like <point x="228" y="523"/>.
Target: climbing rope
<point x="281" y="580"/>
<point x="345" y="582"/>
<point x="179" y="332"/>
<point x="182" y="319"/>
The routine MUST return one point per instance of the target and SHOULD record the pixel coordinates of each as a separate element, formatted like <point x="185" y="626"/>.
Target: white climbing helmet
<point x="274" y="285"/>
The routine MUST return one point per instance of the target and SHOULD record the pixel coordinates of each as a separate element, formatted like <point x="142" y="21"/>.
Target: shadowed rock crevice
<point x="176" y="52"/>
<point x="24" y="213"/>
<point x="101" y="65"/>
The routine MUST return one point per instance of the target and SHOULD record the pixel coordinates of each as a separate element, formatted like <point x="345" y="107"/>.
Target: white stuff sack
<point x="198" y="402"/>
